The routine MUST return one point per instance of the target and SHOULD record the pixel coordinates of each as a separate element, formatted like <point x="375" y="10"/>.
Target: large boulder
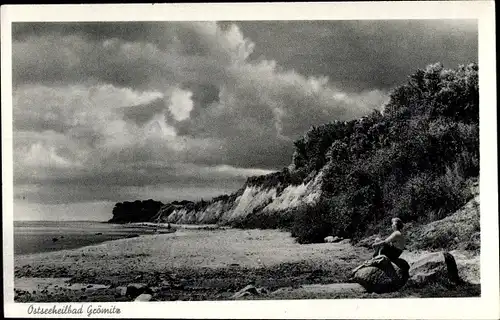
<point x="381" y="275"/>
<point x="469" y="266"/>
<point x="435" y="267"/>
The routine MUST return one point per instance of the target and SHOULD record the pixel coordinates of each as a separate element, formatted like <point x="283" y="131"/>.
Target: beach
<point x="204" y="264"/>
<point x="192" y="264"/>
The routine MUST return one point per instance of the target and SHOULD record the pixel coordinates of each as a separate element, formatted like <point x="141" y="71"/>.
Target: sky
<point x="108" y="112"/>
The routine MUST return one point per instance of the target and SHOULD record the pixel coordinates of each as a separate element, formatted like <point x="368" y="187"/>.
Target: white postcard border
<point x="486" y="307"/>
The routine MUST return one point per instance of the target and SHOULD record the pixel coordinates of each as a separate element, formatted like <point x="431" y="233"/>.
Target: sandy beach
<point x="190" y="264"/>
<point x="202" y="264"/>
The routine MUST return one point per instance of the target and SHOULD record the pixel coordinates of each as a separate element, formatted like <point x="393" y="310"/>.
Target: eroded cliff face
<point x="251" y="199"/>
<point x="295" y="195"/>
<point x="210" y="214"/>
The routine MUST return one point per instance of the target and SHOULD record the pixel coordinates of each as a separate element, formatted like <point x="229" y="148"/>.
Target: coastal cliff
<point x="255" y="197"/>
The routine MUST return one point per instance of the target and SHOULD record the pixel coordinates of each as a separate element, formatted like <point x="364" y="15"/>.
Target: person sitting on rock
<point x="393" y="246"/>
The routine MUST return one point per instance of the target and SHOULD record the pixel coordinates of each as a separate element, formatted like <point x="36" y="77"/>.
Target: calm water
<point x="41" y="236"/>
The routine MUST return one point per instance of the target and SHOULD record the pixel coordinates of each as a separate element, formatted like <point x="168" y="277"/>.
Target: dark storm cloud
<point x="357" y="55"/>
<point x="68" y="193"/>
<point x="159" y="33"/>
<point x="129" y="183"/>
<point x="204" y="94"/>
<point x="133" y="176"/>
<point x="126" y="54"/>
<point x="199" y="105"/>
<point x="79" y="61"/>
<point x="142" y="114"/>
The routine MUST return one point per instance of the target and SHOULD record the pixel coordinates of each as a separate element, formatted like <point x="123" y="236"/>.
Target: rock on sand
<point x="381" y="275"/>
<point x="144" y="297"/>
<point x="435" y="267"/>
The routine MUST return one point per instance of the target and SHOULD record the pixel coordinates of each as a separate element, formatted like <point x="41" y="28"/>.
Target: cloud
<point x="359" y="55"/>
<point x="62" y="108"/>
<point x="180" y="104"/>
<point x="104" y="110"/>
<point x="39" y="156"/>
<point x="180" y="52"/>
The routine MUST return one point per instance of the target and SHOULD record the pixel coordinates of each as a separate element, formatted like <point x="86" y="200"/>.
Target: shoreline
<point x="165" y="225"/>
<point x="221" y="264"/>
<point x="38" y="237"/>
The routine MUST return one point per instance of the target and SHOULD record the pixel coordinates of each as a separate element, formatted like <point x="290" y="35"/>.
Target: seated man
<point x="393" y="246"/>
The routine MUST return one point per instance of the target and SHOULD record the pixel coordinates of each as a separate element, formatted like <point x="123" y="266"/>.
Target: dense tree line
<point x="411" y="160"/>
<point x="136" y="211"/>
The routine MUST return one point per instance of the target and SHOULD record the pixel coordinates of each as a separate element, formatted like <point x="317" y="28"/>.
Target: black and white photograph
<point x="169" y="160"/>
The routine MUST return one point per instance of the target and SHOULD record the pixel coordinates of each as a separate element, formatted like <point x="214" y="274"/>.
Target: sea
<point x="44" y="236"/>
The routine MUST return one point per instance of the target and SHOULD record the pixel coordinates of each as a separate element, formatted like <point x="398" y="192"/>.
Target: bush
<point x="311" y="224"/>
<point x="265" y="220"/>
<point x="445" y="239"/>
<point x="342" y="219"/>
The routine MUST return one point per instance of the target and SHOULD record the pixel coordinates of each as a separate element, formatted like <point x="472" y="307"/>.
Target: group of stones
<point x="377" y="275"/>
